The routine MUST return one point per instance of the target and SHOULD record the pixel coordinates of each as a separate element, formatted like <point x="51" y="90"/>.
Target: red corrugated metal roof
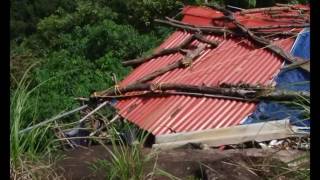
<point x="235" y="60"/>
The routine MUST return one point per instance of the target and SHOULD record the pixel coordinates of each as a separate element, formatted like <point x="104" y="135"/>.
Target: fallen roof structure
<point x="211" y="48"/>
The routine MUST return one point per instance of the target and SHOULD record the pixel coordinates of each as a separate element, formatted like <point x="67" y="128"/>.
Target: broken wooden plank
<point x="232" y="135"/>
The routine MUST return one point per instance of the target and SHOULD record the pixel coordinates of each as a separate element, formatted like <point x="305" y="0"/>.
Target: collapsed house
<point x="201" y="83"/>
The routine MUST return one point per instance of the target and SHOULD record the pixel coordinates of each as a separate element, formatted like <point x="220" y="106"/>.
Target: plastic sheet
<point x="295" y="79"/>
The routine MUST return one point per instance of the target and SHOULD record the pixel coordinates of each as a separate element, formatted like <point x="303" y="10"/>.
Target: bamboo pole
<point x="53" y="119"/>
<point x="93" y="111"/>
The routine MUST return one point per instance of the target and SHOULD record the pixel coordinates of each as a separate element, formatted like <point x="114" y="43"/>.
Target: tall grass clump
<point x="27" y="150"/>
<point x="127" y="161"/>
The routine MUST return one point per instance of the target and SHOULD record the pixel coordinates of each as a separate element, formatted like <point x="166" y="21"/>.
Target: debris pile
<point x="200" y="44"/>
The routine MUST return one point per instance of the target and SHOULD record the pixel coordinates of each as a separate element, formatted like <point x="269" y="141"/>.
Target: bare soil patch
<point x="182" y="163"/>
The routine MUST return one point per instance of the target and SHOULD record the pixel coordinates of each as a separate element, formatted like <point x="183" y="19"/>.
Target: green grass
<point x="128" y="161"/>
<point x="27" y="150"/>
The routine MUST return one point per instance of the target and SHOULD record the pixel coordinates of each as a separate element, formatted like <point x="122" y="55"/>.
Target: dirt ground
<point x="182" y="163"/>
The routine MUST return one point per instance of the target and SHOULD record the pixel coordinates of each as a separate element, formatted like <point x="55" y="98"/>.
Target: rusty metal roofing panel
<point x="235" y="60"/>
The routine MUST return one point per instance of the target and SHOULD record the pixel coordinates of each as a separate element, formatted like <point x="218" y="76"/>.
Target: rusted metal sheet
<point x="235" y="60"/>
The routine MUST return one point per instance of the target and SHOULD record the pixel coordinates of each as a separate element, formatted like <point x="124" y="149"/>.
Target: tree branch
<point x="280" y="26"/>
<point x="162" y="52"/>
<point x="175" y="49"/>
<point x="183" y="62"/>
<point x="205" y="91"/>
<point x="249" y="11"/>
<point x="260" y="40"/>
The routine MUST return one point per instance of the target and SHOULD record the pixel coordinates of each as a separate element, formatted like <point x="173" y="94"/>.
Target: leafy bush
<point x="74" y="77"/>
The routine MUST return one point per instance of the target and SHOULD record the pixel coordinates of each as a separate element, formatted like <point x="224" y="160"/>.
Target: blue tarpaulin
<point x="294" y="79"/>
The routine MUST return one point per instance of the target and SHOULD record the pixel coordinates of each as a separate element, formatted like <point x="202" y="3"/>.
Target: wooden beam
<point x="232" y="135"/>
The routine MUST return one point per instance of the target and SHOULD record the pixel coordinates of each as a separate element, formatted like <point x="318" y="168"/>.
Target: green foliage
<point x="74" y="77"/>
<point x="25" y="14"/>
<point x="141" y="13"/>
<point x="242" y="3"/>
<point x="80" y="48"/>
<point x="252" y="3"/>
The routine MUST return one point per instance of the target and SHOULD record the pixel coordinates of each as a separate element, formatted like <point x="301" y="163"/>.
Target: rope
<point x="159" y="86"/>
<point x="117" y="90"/>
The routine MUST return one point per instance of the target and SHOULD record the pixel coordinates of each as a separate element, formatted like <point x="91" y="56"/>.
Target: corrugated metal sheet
<point x="233" y="61"/>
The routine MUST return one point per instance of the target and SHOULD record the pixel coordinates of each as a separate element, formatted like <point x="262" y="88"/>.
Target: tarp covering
<point x="294" y="79"/>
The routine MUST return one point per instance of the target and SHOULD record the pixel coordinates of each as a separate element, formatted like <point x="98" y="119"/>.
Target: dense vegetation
<point x="80" y="46"/>
<point x="74" y="47"/>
